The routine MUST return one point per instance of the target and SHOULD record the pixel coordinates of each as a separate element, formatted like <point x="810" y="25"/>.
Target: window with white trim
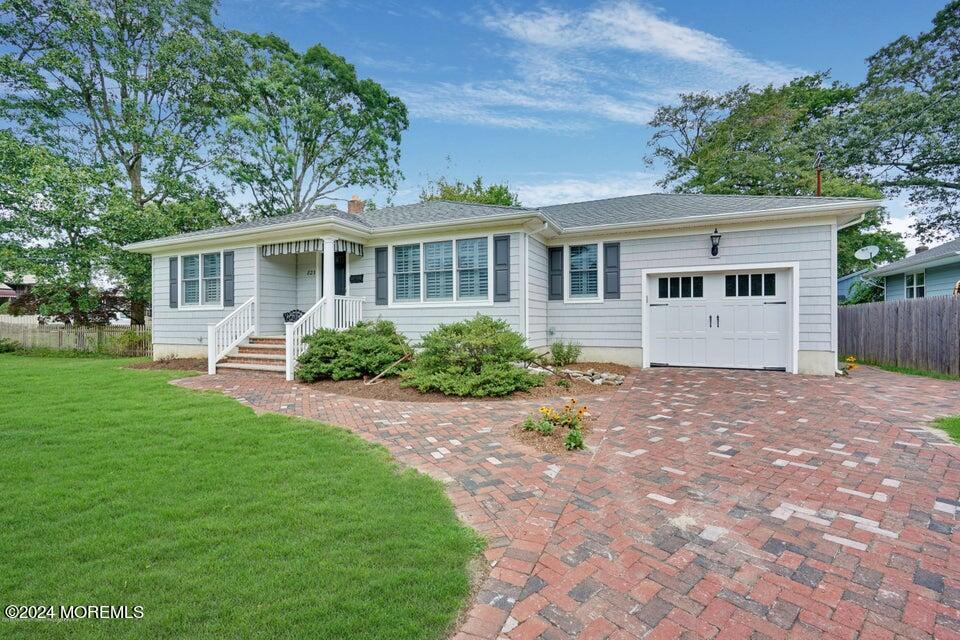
<point x="450" y="270"/>
<point x="438" y="270"/>
<point x="750" y="284"/>
<point x="406" y="272"/>
<point x="472" y="268"/>
<point x="916" y="284"/>
<point x="583" y="271"/>
<point x="680" y="287"/>
<point x="201" y="279"/>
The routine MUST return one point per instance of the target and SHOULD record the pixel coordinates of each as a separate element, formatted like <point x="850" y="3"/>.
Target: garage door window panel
<point x="754" y="285"/>
<point x="680" y="287"/>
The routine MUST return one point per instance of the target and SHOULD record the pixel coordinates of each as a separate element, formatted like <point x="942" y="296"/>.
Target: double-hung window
<point x="472" y="268"/>
<point x="438" y="270"/>
<point x="449" y="270"/>
<point x="583" y="271"/>
<point x="916" y="285"/>
<point x="201" y="279"/>
<point x="406" y="272"/>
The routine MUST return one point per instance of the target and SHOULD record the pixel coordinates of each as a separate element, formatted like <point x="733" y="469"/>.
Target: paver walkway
<point x="709" y="504"/>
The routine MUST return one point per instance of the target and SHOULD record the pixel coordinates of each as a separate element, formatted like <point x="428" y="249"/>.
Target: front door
<point x="340" y="273"/>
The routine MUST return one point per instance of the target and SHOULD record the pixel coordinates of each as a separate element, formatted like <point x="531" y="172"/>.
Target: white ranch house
<point x="646" y="280"/>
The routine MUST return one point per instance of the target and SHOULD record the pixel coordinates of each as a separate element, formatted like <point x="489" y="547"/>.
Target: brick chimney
<point x="920" y="249"/>
<point x="355" y="205"/>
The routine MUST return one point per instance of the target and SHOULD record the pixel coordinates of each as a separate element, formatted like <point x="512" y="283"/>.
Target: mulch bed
<point x="175" y="364"/>
<point x="390" y="389"/>
<point x="552" y="443"/>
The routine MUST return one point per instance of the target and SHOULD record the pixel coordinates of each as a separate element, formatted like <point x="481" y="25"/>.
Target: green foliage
<point x="565" y="353"/>
<point x="51" y="227"/>
<point x="950" y="424"/>
<point x="363" y="350"/>
<point x="543" y="426"/>
<point x="864" y="291"/>
<point x="574" y="440"/>
<point x="474" y="357"/>
<point x="764" y="142"/>
<point x="307" y="126"/>
<point x="8" y="346"/>
<point x="903" y="129"/>
<point x="476" y="192"/>
<point x="563" y="383"/>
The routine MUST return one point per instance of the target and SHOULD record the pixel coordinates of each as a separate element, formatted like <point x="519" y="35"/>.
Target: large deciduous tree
<point x="903" y="131"/>
<point x="50" y="226"/>
<point x="136" y="86"/>
<point x="476" y="192"/>
<point x="308" y="126"/>
<point x="764" y="142"/>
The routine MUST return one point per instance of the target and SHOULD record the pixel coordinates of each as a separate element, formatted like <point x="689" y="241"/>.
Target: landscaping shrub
<point x="8" y="346"/>
<point x="564" y="353"/>
<point x="475" y="357"/>
<point x="363" y="350"/>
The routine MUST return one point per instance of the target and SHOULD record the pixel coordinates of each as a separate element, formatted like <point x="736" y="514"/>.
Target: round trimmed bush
<point x="476" y="357"/>
<point x="363" y="350"/>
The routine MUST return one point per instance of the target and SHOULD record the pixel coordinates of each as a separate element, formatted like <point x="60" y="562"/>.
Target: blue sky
<point x="553" y="97"/>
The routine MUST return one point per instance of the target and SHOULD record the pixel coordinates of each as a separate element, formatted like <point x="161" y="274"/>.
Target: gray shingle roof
<point x="944" y="250"/>
<point x="651" y="207"/>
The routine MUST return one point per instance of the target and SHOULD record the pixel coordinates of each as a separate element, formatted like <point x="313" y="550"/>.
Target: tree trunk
<point x="138" y="312"/>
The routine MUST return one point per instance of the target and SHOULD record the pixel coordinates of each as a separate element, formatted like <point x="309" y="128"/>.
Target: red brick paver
<point x="709" y="504"/>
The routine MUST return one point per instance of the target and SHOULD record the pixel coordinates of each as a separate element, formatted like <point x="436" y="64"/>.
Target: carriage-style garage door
<point x="739" y="318"/>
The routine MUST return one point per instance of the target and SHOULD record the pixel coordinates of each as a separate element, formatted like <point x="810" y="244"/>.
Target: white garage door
<point x="728" y="319"/>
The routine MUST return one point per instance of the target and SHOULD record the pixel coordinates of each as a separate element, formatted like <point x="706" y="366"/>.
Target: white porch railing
<point x="347" y="311"/>
<point x="229" y="332"/>
<point x="296" y="331"/>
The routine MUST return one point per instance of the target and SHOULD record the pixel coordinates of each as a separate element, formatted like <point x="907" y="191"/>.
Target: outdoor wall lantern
<point x="715" y="243"/>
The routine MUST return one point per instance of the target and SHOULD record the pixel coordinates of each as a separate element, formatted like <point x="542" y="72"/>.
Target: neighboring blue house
<point x="845" y="283"/>
<point x="927" y="273"/>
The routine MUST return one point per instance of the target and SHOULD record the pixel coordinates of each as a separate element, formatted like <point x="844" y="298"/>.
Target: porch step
<point x="264" y="358"/>
<point x="281" y="340"/>
<point x="251" y="367"/>
<point x="257" y="349"/>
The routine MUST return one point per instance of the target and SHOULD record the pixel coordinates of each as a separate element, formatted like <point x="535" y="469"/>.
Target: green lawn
<point x="119" y="488"/>
<point x="951" y="425"/>
<point x="910" y="371"/>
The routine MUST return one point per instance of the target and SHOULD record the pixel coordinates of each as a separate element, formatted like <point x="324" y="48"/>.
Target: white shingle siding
<point x="616" y="323"/>
<point x="187" y="326"/>
<point x="537" y="305"/>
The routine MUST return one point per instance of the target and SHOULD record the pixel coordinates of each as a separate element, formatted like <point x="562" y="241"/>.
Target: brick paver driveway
<point x="710" y="504"/>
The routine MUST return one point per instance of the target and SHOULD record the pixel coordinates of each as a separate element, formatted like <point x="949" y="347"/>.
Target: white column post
<point x="211" y="349"/>
<point x="328" y="283"/>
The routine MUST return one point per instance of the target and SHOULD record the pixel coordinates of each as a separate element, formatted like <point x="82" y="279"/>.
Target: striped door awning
<point x="309" y="246"/>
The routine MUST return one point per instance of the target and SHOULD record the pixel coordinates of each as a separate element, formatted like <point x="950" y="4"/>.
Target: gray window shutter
<point x="611" y="270"/>
<point x="501" y="268"/>
<point x="380" y="254"/>
<point x="555" y="263"/>
<point x="228" y="278"/>
<point x="174" y="282"/>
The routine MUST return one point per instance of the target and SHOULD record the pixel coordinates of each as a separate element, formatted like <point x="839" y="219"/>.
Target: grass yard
<point x="121" y="489"/>
<point x="910" y="371"/>
<point x="951" y="425"/>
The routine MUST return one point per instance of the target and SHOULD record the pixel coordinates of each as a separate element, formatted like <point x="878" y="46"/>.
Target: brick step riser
<point x="255" y="350"/>
<point x="242" y="360"/>
<point x="279" y="341"/>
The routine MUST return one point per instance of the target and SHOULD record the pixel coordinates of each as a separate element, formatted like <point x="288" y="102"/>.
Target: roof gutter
<point x="852" y="207"/>
<point x="173" y="241"/>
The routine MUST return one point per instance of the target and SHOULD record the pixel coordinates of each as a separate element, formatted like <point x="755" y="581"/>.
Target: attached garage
<point x="730" y="317"/>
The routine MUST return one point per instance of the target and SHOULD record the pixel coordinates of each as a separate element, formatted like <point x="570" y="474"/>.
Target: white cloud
<point x="583" y="188"/>
<point x="901" y="219"/>
<point x="572" y="70"/>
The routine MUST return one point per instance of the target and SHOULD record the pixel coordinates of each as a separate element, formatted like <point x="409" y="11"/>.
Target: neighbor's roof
<point x="942" y="253"/>
<point x="7" y="292"/>
<point x="624" y="211"/>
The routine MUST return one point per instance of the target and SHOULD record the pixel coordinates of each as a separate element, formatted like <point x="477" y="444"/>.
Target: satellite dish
<point x="867" y="252"/>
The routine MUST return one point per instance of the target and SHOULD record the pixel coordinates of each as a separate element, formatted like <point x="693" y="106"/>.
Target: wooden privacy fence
<point x="126" y="341"/>
<point x="923" y="333"/>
